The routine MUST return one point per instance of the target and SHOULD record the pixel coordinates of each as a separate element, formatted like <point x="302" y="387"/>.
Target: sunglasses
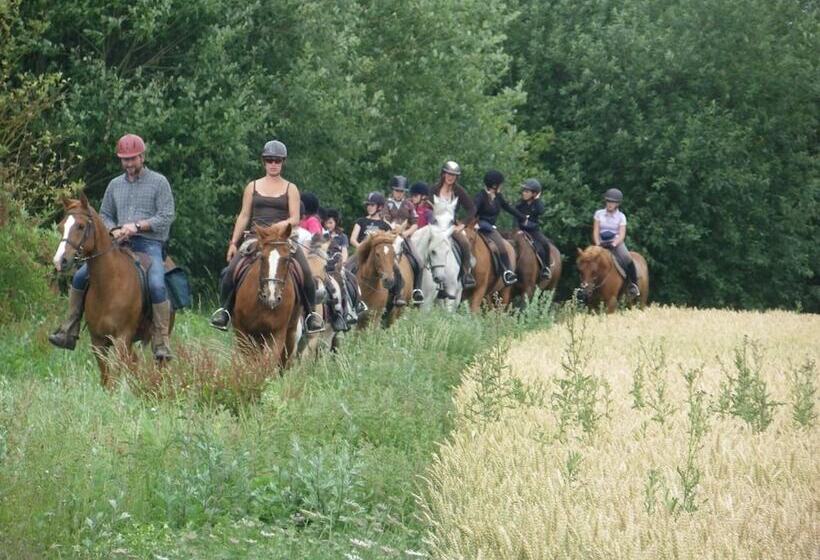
<point x="276" y="160"/>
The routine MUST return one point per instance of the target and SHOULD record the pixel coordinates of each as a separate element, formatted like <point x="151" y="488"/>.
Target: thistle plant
<point x="803" y="387"/>
<point x="649" y="386"/>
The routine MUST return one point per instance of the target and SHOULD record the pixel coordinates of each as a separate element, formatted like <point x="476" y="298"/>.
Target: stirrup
<point x="468" y="281"/>
<point x="218" y="314"/>
<point x="634" y="290"/>
<point x="509" y="277"/>
<point x="417" y="297"/>
<point x="546" y="273"/>
<point x="361" y="308"/>
<point x="315" y="329"/>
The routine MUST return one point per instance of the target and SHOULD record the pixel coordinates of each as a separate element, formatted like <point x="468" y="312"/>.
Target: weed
<point x="803" y="387"/>
<point x="651" y="490"/>
<point x="572" y="467"/>
<point x="649" y="386"/>
<point x="580" y="398"/>
<point x="689" y="475"/>
<point x="746" y="394"/>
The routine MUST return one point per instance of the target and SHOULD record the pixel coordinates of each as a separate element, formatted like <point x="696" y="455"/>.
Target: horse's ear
<point x="83" y="201"/>
<point x="580" y="252"/>
<point x="66" y="202"/>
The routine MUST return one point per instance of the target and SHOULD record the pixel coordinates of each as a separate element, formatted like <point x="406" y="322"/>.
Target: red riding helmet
<point x="129" y="146"/>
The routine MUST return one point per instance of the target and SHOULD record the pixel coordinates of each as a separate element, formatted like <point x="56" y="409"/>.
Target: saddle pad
<point x="495" y="257"/>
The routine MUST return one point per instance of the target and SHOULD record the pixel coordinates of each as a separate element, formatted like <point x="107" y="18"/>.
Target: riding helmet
<point x="398" y="183"/>
<point x="451" y="168"/>
<point x="275" y="148"/>
<point x="614" y="195"/>
<point x="311" y="202"/>
<point x="376" y="198"/>
<point x="420" y="188"/>
<point x="531" y="185"/>
<point x="493" y="178"/>
<point x="129" y="146"/>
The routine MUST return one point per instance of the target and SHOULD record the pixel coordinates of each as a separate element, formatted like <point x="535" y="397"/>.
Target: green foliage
<point x="704" y="114"/>
<point x="649" y="386"/>
<point x="803" y="382"/>
<point x="745" y="394"/>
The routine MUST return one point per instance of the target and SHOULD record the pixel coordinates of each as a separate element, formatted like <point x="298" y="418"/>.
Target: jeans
<point x="156" y="274"/>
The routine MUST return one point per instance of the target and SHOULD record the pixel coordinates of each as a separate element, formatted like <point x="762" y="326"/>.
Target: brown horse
<point x="528" y="268"/>
<point x="328" y="281"/>
<point x="268" y="312"/>
<point x="488" y="283"/>
<point x="114" y="308"/>
<point x="375" y="258"/>
<point x="602" y="283"/>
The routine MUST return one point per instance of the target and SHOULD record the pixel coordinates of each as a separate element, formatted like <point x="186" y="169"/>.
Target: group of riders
<point x="138" y="208"/>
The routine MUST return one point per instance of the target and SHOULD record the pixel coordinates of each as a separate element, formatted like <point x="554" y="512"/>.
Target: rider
<point x="267" y="201"/>
<point x="401" y="212"/>
<point x="489" y="204"/>
<point x="373" y="222"/>
<point x="310" y="219"/>
<point x="137" y="207"/>
<point x="609" y="230"/>
<point x="448" y="189"/>
<point x="419" y="196"/>
<point x="337" y="251"/>
<point x="530" y="208"/>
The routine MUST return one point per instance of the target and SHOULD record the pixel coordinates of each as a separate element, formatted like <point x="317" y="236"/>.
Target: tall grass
<point x="319" y="462"/>
<point x="671" y="479"/>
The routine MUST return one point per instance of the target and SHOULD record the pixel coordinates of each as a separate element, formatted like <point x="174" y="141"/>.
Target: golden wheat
<point x="501" y="490"/>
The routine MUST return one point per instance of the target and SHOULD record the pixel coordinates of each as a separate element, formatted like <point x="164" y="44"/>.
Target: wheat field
<point x="512" y="484"/>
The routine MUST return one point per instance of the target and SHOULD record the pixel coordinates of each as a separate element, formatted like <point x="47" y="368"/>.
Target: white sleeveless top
<point x="610" y="221"/>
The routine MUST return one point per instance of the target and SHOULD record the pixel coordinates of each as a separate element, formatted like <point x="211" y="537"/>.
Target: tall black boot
<point x="221" y="318"/>
<point x="398" y="288"/>
<point x="632" y="277"/>
<point x="508" y="276"/>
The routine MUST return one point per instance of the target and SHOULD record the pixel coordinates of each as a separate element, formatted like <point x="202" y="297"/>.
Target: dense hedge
<point x="705" y="115"/>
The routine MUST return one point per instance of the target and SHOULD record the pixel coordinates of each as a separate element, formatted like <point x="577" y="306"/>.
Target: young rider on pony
<point x="138" y="207"/>
<point x="530" y="209"/>
<point x="368" y="225"/>
<point x="609" y="231"/>
<point x="310" y="221"/>
<point x="448" y="189"/>
<point x="419" y="197"/>
<point x="489" y="204"/>
<point x="401" y="212"/>
<point x="267" y="201"/>
<point x="338" y="252"/>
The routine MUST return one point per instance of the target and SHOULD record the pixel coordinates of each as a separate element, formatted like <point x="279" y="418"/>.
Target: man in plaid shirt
<point x="137" y="207"/>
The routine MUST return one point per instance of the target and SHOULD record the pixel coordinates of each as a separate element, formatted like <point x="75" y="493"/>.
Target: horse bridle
<point x="585" y="285"/>
<point x="79" y="252"/>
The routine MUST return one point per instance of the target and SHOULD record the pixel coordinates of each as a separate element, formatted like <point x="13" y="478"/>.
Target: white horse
<point x="434" y="245"/>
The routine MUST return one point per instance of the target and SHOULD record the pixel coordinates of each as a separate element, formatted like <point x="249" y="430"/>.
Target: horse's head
<point x="274" y="251"/>
<point x="440" y="249"/>
<point x="444" y="211"/>
<point x="591" y="263"/>
<point x="377" y="251"/>
<point x="77" y="229"/>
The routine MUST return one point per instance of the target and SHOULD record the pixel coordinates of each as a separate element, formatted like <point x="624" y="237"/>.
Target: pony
<point x="375" y="258"/>
<point x="602" y="283"/>
<point x="528" y="268"/>
<point x="434" y="244"/>
<point x="488" y="282"/>
<point x="268" y="309"/>
<point x="329" y="283"/>
<point x="115" y="308"/>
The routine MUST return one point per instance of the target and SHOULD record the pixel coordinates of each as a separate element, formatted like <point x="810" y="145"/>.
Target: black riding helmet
<point x="421" y="188"/>
<point x="493" y="178"/>
<point x="311" y="202"/>
<point x="531" y="185"/>
<point x="328" y="213"/>
<point x="398" y="183"/>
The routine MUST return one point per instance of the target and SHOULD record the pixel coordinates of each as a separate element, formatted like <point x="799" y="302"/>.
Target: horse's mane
<point x="591" y="253"/>
<point x="371" y="243"/>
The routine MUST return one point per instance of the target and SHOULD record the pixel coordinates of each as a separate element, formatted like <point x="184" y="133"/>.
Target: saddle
<point x="249" y="255"/>
<point x="143" y="263"/>
<point x="534" y="244"/>
<point x="495" y="254"/>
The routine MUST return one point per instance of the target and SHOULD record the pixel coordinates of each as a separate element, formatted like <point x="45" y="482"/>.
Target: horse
<point x="528" y="268"/>
<point x="434" y="244"/>
<point x="327" y="275"/>
<point x="488" y="282"/>
<point x="115" y="308"/>
<point x="375" y="259"/>
<point x="268" y="309"/>
<point x="602" y="283"/>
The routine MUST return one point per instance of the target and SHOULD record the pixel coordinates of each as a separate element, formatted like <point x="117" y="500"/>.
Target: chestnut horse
<point x="528" y="268"/>
<point x="268" y="311"/>
<point x="375" y="258"/>
<point x="602" y="283"/>
<point x="114" y="309"/>
<point x="488" y="283"/>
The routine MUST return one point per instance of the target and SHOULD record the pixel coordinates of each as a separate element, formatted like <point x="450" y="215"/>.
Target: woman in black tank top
<point x="266" y="210"/>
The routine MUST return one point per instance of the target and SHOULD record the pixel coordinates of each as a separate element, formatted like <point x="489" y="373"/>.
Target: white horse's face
<point x="441" y="259"/>
<point x="444" y="211"/>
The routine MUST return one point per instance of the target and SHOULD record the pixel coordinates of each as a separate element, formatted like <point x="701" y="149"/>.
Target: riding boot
<point x="508" y="276"/>
<point x="337" y="319"/>
<point x="546" y="265"/>
<point x="398" y="288"/>
<point x="66" y="334"/>
<point x="161" y="322"/>
<point x="221" y="318"/>
<point x="632" y="278"/>
<point x="313" y="321"/>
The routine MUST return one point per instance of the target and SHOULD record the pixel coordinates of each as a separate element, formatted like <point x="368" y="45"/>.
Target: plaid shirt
<point x="148" y="198"/>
